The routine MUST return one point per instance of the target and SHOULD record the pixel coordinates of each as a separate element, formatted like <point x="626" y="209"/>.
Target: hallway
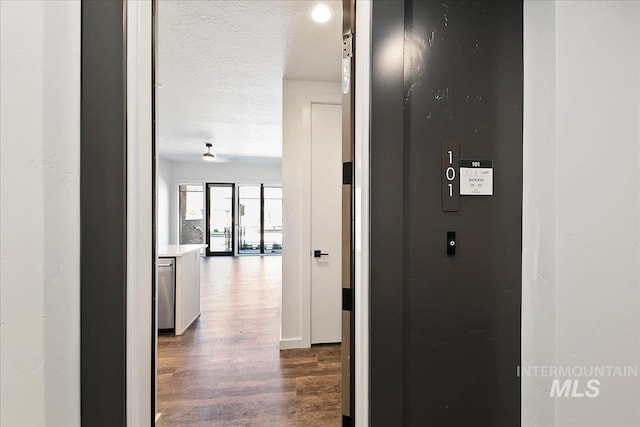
<point x="227" y="369"/>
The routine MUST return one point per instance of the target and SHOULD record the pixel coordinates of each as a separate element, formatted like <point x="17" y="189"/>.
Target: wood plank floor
<point x="227" y="369"/>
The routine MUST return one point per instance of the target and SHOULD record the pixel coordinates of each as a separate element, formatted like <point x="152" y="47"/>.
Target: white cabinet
<point x="187" y="293"/>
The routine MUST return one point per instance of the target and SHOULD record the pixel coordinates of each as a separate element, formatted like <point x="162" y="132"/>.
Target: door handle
<point x="318" y="254"/>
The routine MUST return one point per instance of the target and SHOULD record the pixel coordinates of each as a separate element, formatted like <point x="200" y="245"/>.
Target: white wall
<point x="165" y="183"/>
<point x="581" y="248"/>
<point x="268" y="172"/>
<point x="236" y="171"/>
<point x="39" y="202"/>
<point x="539" y="210"/>
<point x="296" y="187"/>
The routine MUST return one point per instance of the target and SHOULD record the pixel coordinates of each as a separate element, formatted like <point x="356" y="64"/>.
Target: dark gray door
<point x="446" y="203"/>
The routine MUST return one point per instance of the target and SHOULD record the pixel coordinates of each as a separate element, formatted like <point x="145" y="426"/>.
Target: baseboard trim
<point x="158" y="419"/>
<point x="291" y="343"/>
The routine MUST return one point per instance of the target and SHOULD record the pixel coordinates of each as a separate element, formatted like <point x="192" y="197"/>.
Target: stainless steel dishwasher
<point x="166" y="293"/>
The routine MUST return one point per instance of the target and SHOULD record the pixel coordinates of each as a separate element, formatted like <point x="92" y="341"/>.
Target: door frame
<point x="386" y="184"/>
<point x="207" y="224"/>
<point x="361" y="213"/>
<point x="122" y="395"/>
<point x="104" y="177"/>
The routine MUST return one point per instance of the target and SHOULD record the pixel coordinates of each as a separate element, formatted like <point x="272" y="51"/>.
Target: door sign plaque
<point x="476" y="177"/>
<point x="450" y="179"/>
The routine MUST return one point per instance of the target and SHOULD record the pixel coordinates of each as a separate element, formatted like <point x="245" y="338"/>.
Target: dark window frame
<point x="207" y="222"/>
<point x="261" y="219"/>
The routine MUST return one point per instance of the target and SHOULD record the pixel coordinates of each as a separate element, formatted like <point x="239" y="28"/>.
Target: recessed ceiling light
<point x="321" y="13"/>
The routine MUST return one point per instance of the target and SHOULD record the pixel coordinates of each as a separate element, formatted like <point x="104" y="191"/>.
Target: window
<point x="194" y="203"/>
<point x="191" y="207"/>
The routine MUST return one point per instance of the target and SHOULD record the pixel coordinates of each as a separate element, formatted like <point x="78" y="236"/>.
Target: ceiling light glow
<point x="321" y="13"/>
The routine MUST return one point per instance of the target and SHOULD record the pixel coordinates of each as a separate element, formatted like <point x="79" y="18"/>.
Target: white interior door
<point x="326" y="223"/>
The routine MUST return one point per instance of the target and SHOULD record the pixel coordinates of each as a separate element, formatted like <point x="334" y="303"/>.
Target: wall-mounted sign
<point x="450" y="179"/>
<point x="476" y="177"/>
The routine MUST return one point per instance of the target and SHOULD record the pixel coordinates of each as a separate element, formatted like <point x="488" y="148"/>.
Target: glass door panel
<point x="249" y="235"/>
<point x="272" y="220"/>
<point x="220" y="219"/>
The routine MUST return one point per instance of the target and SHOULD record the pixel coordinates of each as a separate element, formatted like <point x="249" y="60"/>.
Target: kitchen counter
<point x="173" y="251"/>
<point x="187" y="283"/>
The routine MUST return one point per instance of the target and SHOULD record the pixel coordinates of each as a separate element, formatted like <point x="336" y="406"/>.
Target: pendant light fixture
<point x="209" y="156"/>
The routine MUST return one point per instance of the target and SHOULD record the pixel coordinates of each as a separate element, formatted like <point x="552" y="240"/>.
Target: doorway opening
<point x="260" y="237"/>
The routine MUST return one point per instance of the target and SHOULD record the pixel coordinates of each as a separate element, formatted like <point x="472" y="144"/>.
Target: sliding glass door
<point x="272" y="220"/>
<point x="220" y="219"/>
<point x="250" y="219"/>
<point x="260" y="219"/>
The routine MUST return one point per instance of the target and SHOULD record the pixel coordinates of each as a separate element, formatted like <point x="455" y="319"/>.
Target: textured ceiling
<point x="220" y="69"/>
